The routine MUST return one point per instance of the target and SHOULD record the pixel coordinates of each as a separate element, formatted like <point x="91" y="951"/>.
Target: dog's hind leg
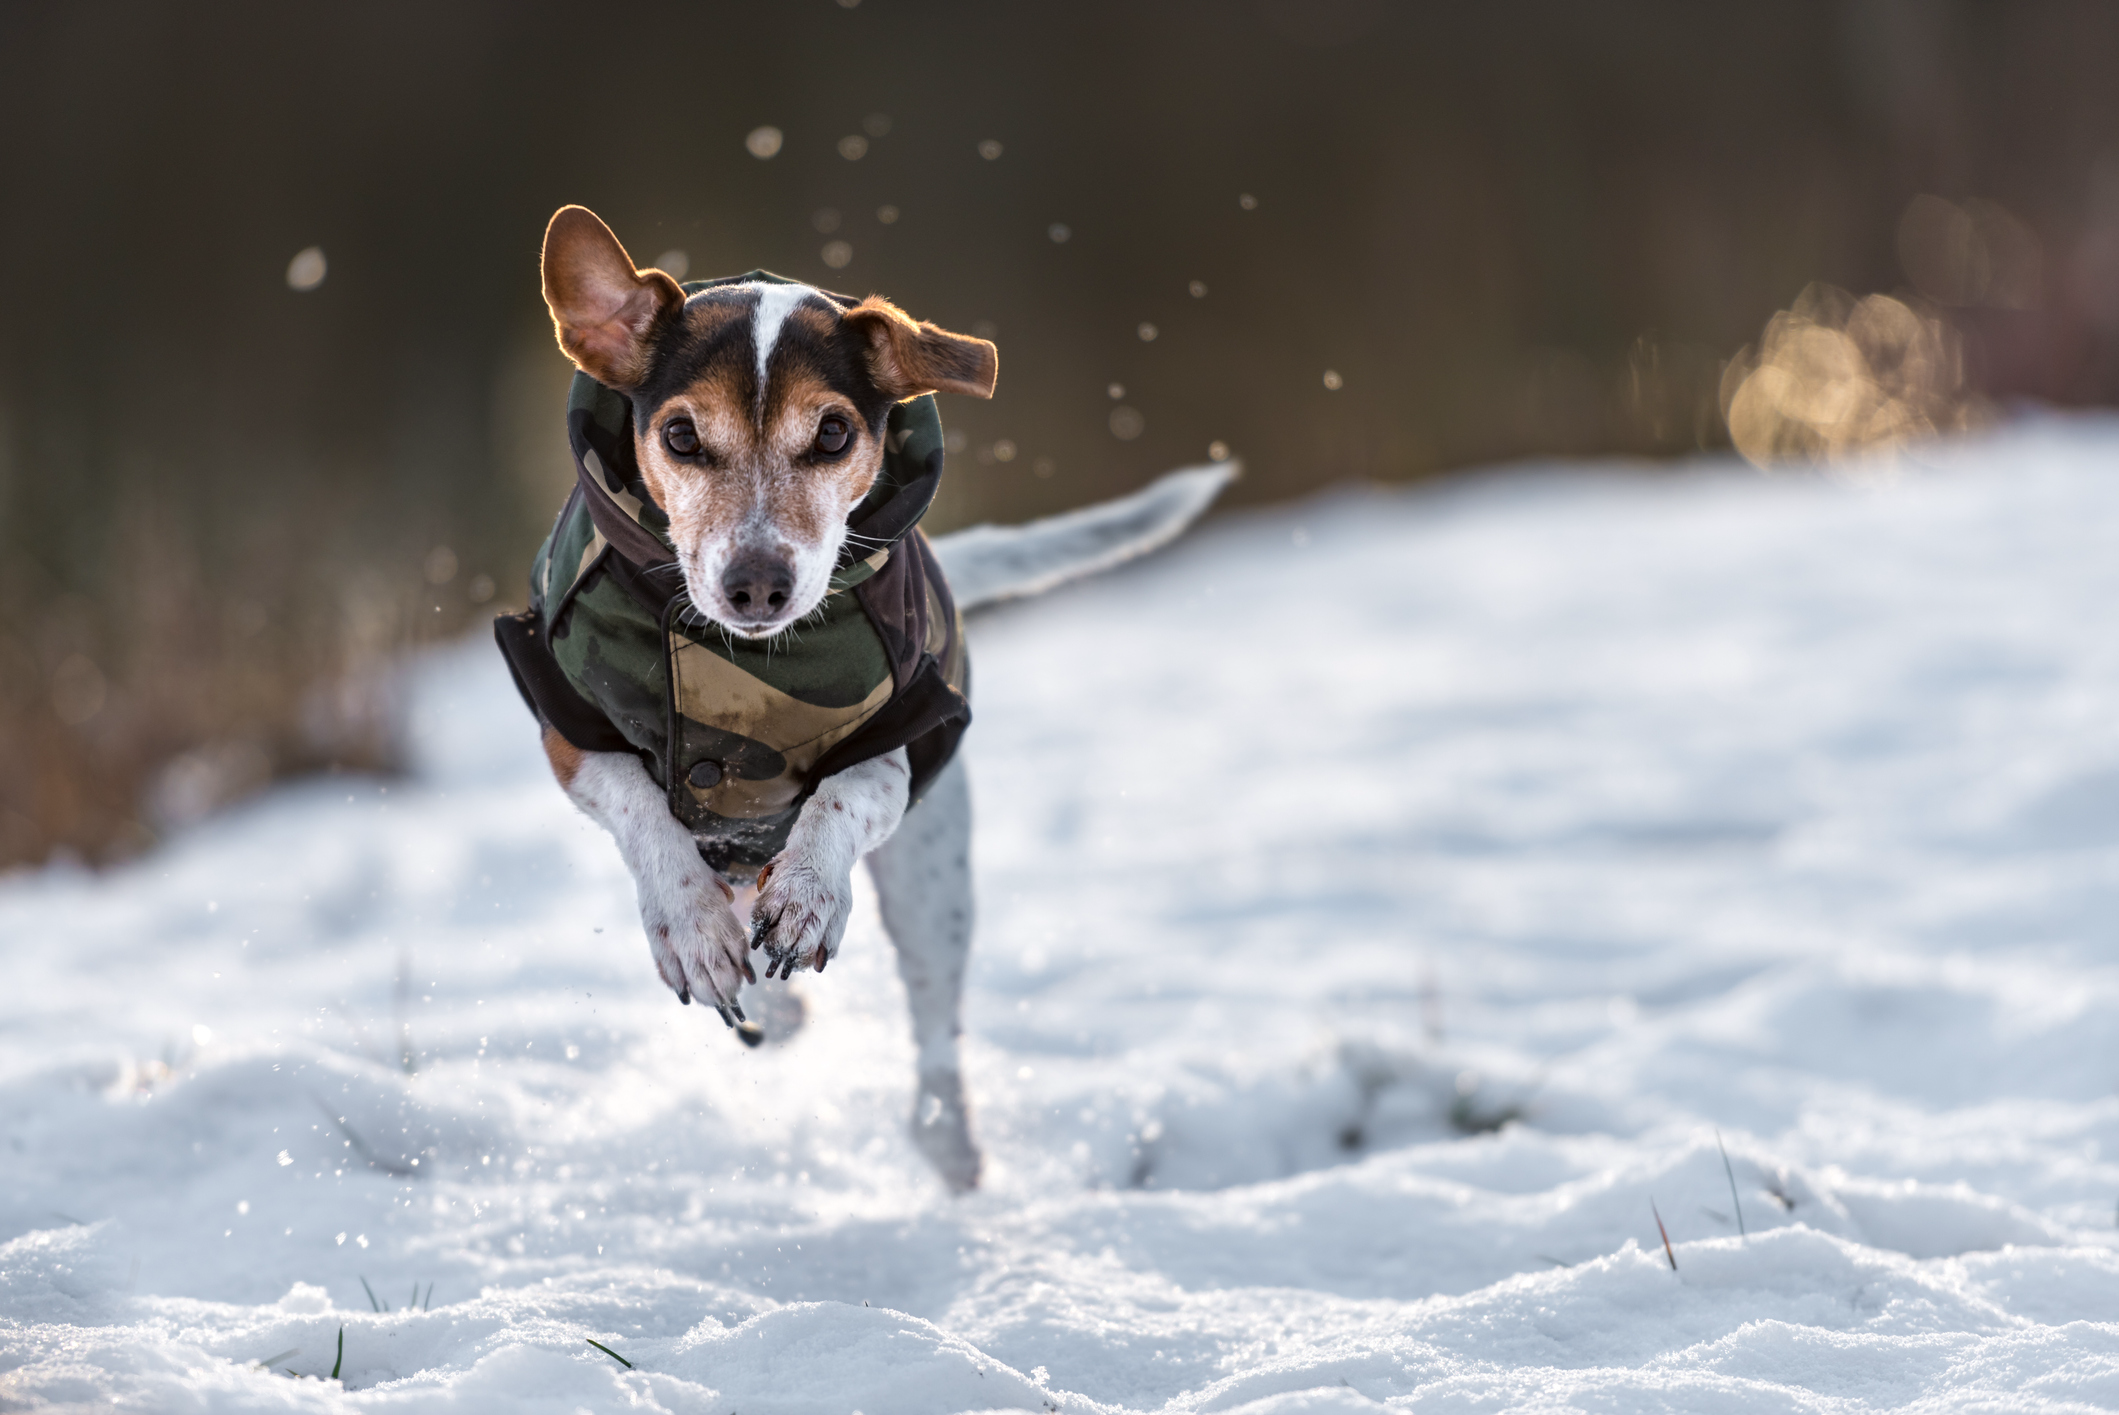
<point x="923" y="884"/>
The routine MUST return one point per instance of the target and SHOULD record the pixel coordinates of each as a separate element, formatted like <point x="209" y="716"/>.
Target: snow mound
<point x="1392" y="906"/>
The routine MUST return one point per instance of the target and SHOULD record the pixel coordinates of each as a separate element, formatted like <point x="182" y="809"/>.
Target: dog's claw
<point x="761" y="930"/>
<point x="822" y="959"/>
<point x="684" y="994"/>
<point x="725" y="1017"/>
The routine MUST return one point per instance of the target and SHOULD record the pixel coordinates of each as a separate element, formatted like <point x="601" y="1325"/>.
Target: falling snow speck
<point x="763" y="142"/>
<point x="1117" y="391"/>
<point x="308" y="268"/>
<point x="1147" y="332"/>
<point x="1059" y="231"/>
<point x="990" y="150"/>
<point x="887" y="214"/>
<point x="1126" y="423"/>
<point x="1004" y="451"/>
<point x="1198" y="289"/>
<point x="876" y="125"/>
<point x="825" y="219"/>
<point x="1332" y="380"/>
<point x="1218" y="451"/>
<point x="675" y="262"/>
<point x="836" y="254"/>
<point x="853" y="147"/>
<point x="1247" y="202"/>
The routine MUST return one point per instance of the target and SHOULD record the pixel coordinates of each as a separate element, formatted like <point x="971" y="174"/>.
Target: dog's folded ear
<point x="907" y="358"/>
<point x="604" y="310"/>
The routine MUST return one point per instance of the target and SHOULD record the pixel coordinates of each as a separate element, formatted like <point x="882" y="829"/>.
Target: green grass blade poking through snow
<point x="608" y="1352"/>
<point x="341" y="1354"/>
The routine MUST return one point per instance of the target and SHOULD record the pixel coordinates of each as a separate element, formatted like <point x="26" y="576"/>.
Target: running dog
<point x="746" y="658"/>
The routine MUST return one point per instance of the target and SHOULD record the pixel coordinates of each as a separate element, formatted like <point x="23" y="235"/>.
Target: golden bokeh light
<point x="1835" y="376"/>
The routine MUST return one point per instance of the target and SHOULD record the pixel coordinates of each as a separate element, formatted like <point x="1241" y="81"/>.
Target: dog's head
<point x="758" y="411"/>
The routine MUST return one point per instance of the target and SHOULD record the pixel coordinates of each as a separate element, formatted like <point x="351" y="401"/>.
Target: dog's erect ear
<point x="604" y="310"/>
<point x="908" y="358"/>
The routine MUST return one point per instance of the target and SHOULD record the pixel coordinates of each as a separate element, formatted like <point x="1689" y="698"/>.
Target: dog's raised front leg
<point x="692" y="932"/>
<point x="804" y="894"/>
<point x="923" y="883"/>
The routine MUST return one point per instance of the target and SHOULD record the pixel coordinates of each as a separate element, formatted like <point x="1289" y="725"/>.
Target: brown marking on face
<point x="825" y="487"/>
<point x="565" y="757"/>
<point x="706" y="490"/>
<point x="706" y="320"/>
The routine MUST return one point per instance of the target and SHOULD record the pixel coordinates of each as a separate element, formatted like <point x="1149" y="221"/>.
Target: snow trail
<point x="1584" y="810"/>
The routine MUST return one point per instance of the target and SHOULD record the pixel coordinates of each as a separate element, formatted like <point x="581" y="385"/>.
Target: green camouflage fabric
<point x="733" y="729"/>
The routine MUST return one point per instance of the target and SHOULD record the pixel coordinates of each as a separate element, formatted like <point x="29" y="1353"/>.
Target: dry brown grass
<point x="182" y="676"/>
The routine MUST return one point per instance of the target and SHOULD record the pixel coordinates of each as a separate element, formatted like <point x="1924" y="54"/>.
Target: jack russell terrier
<point x="747" y="660"/>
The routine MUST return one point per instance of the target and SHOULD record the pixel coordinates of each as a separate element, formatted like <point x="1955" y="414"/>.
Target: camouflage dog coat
<point x="613" y="657"/>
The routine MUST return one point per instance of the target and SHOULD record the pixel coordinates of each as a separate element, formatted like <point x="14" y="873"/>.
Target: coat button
<point x="705" y="774"/>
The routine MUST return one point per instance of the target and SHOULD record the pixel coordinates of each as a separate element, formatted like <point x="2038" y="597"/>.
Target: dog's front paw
<point x="800" y="915"/>
<point x="697" y="943"/>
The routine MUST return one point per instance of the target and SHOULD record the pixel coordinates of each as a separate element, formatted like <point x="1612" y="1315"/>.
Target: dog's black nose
<point x="758" y="584"/>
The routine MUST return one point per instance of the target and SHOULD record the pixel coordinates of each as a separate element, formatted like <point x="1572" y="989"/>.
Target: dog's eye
<point x="832" y="436"/>
<point x="681" y="437"/>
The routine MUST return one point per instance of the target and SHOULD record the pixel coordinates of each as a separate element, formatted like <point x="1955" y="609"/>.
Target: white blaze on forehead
<point x="775" y="303"/>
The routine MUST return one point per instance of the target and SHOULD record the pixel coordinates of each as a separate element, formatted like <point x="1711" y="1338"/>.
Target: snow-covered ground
<point x="1595" y="813"/>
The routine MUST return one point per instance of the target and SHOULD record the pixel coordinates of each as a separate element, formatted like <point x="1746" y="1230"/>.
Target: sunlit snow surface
<point x="1639" y="804"/>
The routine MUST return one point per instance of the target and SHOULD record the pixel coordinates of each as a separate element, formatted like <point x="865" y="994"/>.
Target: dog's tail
<point x="989" y="563"/>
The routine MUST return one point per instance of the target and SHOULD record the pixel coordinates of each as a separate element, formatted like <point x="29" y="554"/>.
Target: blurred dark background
<point x="1344" y="239"/>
